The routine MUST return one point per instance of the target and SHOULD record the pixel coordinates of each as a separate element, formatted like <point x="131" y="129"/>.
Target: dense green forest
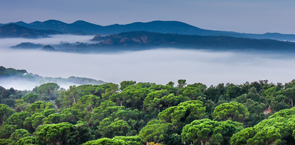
<point x="130" y="113"/>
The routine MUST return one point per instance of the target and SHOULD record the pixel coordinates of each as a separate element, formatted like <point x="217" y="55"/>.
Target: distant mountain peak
<point x="36" y="23"/>
<point x="54" y="22"/>
<point x="48" y="48"/>
<point x="20" y="22"/>
<point x="83" y="23"/>
<point x="80" y="22"/>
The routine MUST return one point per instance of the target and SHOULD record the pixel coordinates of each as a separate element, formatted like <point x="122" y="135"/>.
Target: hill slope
<point x="15" y="76"/>
<point x="149" y="39"/>
<point x="13" y="30"/>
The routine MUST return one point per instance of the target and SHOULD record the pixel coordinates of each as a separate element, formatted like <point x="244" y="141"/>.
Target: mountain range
<point x="152" y="39"/>
<point x="142" y="40"/>
<point x="14" y="30"/>
<point x="173" y="27"/>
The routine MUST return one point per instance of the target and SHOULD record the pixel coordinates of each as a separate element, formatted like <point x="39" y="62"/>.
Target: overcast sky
<point x="251" y="16"/>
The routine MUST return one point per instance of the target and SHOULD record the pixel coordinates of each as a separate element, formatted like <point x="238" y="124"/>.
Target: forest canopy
<point x="131" y="113"/>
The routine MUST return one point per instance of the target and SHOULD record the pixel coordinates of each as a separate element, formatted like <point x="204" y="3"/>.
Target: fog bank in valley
<point x="53" y="39"/>
<point x="22" y="84"/>
<point x="158" y="65"/>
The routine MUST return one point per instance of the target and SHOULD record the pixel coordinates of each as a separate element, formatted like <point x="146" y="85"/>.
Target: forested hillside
<point x="141" y="39"/>
<point x="130" y="113"/>
<point x="15" y="75"/>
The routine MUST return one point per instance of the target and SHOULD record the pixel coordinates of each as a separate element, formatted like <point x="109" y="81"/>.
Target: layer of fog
<point x="52" y="39"/>
<point x="158" y="66"/>
<point x="23" y="84"/>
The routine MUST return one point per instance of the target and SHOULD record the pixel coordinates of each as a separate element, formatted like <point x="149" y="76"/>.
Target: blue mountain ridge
<point x="174" y="27"/>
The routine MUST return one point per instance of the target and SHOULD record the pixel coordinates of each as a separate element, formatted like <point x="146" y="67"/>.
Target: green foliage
<point x="18" y="134"/>
<point x="183" y="113"/>
<point x="80" y="133"/>
<point x="156" y="113"/>
<point x="29" y="140"/>
<point x="54" y="133"/>
<point x="5" y="112"/>
<point x="130" y="140"/>
<point x="181" y="83"/>
<point x="208" y="131"/>
<point x="69" y="115"/>
<point x="256" y="112"/>
<point x="104" y="141"/>
<point x="39" y="107"/>
<point x="53" y="119"/>
<point x="125" y="84"/>
<point x="104" y="110"/>
<point x="21" y="105"/>
<point x="48" y="91"/>
<point x="160" y="100"/>
<point x="154" y="131"/>
<point x="192" y="92"/>
<point x="91" y="102"/>
<point x="6" y="130"/>
<point x="277" y="129"/>
<point x="30" y="98"/>
<point x="8" y="96"/>
<point x="5" y="141"/>
<point x="70" y="97"/>
<point x="110" y="129"/>
<point x="231" y="111"/>
<point x="18" y="118"/>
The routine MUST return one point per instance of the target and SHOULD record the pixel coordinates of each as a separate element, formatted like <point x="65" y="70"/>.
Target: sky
<point x="248" y="16"/>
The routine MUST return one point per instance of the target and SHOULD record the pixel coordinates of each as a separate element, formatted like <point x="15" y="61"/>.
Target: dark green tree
<point x="125" y="84"/>
<point x="48" y="91"/>
<point x="231" y="111"/>
<point x="5" y="112"/>
<point x="18" y="134"/>
<point x="30" y="98"/>
<point x="206" y="131"/>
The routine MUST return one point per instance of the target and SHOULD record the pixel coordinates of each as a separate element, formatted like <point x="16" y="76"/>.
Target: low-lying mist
<point x="22" y="84"/>
<point x="53" y="39"/>
<point x="159" y="66"/>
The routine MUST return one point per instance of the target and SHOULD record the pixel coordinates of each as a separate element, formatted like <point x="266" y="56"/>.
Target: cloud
<point x="159" y="66"/>
<point x="53" y="39"/>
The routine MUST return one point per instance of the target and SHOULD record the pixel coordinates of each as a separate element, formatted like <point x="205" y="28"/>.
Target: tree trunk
<point x="292" y="103"/>
<point x="202" y="143"/>
<point x="207" y="142"/>
<point x="74" y="99"/>
<point x="121" y="103"/>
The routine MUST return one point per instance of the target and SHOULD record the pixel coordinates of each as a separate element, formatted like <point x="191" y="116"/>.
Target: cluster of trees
<point x="22" y="75"/>
<point x="138" y="113"/>
<point x="6" y="72"/>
